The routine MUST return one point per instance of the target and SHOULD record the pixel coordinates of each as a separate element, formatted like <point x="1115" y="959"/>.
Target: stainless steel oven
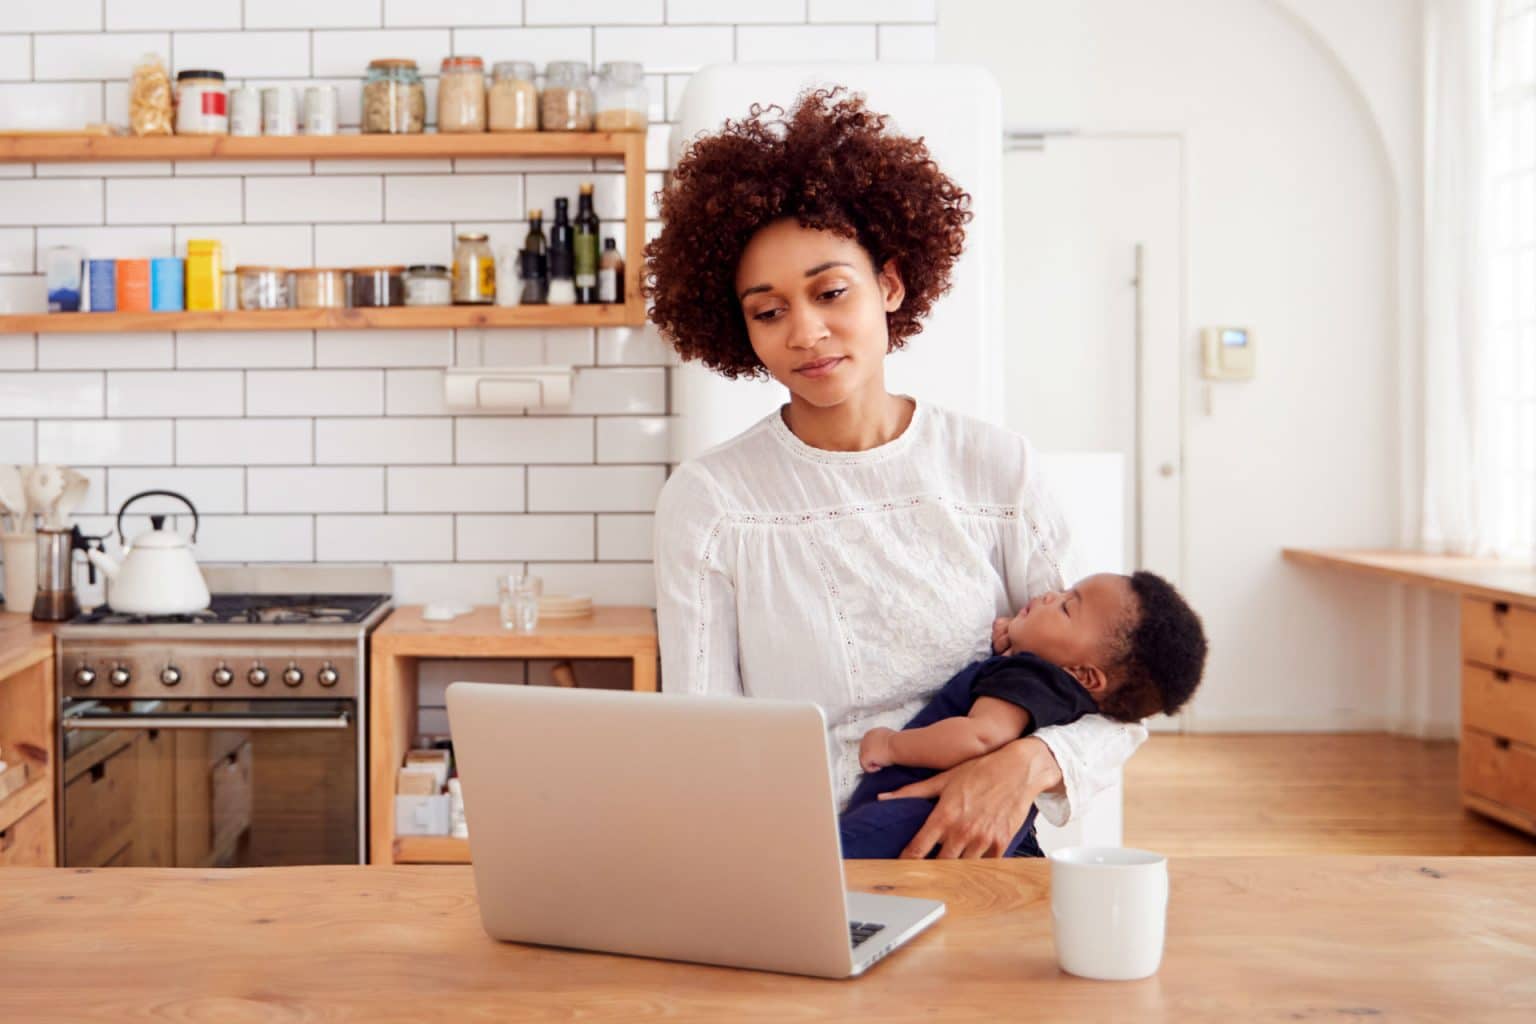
<point x="230" y="738"/>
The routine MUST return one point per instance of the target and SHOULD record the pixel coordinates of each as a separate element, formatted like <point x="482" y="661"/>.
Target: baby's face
<point x="1074" y="627"/>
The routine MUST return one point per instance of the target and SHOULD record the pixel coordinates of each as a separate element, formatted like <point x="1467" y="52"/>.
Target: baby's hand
<point x="1000" y="636"/>
<point x="875" y="749"/>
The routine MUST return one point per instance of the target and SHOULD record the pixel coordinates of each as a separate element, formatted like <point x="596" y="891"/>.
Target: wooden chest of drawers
<point x="1498" y="710"/>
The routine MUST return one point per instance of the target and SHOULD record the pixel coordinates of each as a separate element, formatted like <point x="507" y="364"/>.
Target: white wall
<point x="335" y="446"/>
<point x="1300" y="173"/>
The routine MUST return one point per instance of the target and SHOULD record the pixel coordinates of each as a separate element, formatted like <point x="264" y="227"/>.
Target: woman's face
<point x="815" y="310"/>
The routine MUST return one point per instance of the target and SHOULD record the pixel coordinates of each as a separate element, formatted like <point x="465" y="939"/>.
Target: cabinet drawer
<point x="98" y="810"/>
<point x="1499" y="634"/>
<point x="1499" y="703"/>
<point x="28" y="841"/>
<point x="1499" y="770"/>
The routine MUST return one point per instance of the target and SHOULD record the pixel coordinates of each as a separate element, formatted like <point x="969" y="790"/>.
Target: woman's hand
<point x="983" y="802"/>
<point x="1000" y="636"/>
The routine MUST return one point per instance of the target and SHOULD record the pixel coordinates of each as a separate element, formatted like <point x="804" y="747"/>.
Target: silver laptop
<point x="669" y="826"/>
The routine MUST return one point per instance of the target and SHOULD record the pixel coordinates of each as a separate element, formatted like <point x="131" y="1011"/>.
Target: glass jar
<point x="202" y="103"/>
<point x="262" y="287"/>
<point x="319" y="288"/>
<point x="394" y="101"/>
<point x="373" y="287"/>
<point x="565" y="105"/>
<point x="428" y="284"/>
<point x="461" y="95"/>
<point x="474" y="271"/>
<point x="622" y="99"/>
<point x="514" y="99"/>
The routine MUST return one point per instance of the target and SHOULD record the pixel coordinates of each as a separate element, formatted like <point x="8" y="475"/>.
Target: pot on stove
<point x="158" y="574"/>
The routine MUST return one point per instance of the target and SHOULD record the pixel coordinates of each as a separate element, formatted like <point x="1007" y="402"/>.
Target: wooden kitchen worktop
<point x="23" y="642"/>
<point x="1492" y="578"/>
<point x="1292" y="938"/>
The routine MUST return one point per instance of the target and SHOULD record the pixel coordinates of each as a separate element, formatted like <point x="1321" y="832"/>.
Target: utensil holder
<point x="19" y="553"/>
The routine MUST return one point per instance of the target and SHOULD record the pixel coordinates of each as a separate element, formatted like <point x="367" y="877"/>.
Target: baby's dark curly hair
<point x="830" y="164"/>
<point x="1162" y="656"/>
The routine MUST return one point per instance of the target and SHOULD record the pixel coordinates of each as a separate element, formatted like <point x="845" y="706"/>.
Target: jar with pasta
<point x="461" y="95"/>
<point x="149" y="99"/>
<point x="621" y="97"/>
<point x="394" y="101"/>
<point x="565" y="105"/>
<point x="514" y="98"/>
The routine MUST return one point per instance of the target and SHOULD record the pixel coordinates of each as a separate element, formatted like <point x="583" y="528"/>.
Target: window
<point x="1512" y="275"/>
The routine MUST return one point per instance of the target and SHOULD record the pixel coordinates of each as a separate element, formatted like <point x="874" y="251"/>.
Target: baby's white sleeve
<point x="695" y="596"/>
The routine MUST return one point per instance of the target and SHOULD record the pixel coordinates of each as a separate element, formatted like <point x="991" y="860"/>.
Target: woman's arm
<point x="695" y="596"/>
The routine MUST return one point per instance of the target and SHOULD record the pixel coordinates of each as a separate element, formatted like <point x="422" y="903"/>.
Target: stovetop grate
<point x="252" y="609"/>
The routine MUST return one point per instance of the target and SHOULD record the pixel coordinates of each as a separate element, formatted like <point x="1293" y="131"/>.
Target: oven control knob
<point x="85" y="675"/>
<point x="119" y="676"/>
<point x="170" y="675"/>
<point x="222" y="676"/>
<point x="293" y="675"/>
<point x="327" y="675"/>
<point x="257" y="676"/>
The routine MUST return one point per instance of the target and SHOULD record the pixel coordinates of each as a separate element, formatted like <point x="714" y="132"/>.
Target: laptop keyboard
<point x="859" y="931"/>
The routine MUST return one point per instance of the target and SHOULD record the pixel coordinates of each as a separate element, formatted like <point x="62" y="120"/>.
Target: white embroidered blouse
<point x="863" y="580"/>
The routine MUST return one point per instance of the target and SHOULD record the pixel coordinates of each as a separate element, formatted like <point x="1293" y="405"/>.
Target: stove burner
<point x="253" y="609"/>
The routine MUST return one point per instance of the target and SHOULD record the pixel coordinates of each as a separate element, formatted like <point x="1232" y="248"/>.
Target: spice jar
<point x="394" y="101"/>
<point x="427" y="284"/>
<point x="514" y="100"/>
<point x="566" y="102"/>
<point x="319" y="288"/>
<point x="461" y="95"/>
<point x="621" y="97"/>
<point x="202" y="104"/>
<point x="262" y="287"/>
<point x="378" y="286"/>
<point x="277" y="111"/>
<point x="474" y="271"/>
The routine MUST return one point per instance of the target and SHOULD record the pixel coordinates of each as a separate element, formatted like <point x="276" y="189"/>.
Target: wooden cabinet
<point x="28" y="719"/>
<point x="1498" y="710"/>
<point x="28" y="841"/>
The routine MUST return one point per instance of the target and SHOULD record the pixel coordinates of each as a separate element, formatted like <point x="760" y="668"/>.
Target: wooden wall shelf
<point x="627" y="146"/>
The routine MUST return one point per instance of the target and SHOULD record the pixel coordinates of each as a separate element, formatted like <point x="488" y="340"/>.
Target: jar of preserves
<point x="461" y="95"/>
<point x="428" y="284"/>
<point x="622" y="99"/>
<point x="565" y="105"/>
<point x="319" y="288"/>
<point x="202" y="103"/>
<point x="513" y="103"/>
<point x="372" y="287"/>
<point x="394" y="101"/>
<point x="262" y="287"/>
<point x="474" y="271"/>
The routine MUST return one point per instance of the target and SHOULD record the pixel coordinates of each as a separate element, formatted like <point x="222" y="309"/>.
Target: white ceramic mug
<point x="1110" y="909"/>
<point x="19" y="553"/>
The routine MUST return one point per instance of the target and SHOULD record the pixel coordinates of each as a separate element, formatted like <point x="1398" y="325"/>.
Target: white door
<point x="1093" y="308"/>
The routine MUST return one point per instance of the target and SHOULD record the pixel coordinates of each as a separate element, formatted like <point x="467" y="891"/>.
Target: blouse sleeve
<point x="1092" y="750"/>
<point x="695" y="596"/>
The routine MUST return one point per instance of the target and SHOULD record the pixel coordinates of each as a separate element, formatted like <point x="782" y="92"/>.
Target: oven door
<point x="228" y="783"/>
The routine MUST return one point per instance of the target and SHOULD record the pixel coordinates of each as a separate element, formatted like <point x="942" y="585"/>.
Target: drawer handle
<point x="98" y="771"/>
<point x="1501" y="675"/>
<point x="1501" y="742"/>
<point x="1501" y="607"/>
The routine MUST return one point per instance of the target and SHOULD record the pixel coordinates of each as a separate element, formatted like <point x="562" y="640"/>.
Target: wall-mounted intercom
<point x="1228" y="353"/>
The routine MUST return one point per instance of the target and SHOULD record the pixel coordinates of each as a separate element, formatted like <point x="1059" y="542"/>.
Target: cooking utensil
<point x="76" y="485"/>
<point x="13" y="496"/>
<point x="44" y="485"/>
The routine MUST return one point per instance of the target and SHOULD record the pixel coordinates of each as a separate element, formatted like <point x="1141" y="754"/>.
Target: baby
<point x="1123" y="646"/>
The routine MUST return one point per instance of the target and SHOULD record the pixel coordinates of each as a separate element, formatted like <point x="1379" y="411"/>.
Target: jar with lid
<point x="428" y="284"/>
<point x="319" y="288"/>
<point x="202" y="103"/>
<point x="372" y="287"/>
<point x="461" y="95"/>
<point x="474" y="271"/>
<point x="262" y="287"/>
<point x="514" y="100"/>
<point x="565" y="105"/>
<point x="622" y="99"/>
<point x="394" y="101"/>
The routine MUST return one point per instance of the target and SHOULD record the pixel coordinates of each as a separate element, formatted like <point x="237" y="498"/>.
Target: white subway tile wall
<point x="335" y="446"/>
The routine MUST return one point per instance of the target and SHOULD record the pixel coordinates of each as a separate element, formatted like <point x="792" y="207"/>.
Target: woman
<point x="855" y="547"/>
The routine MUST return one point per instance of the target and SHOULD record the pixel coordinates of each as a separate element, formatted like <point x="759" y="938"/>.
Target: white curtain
<point x="1458" y="471"/>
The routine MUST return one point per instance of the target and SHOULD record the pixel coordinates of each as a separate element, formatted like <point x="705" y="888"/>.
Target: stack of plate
<point x="564" y="606"/>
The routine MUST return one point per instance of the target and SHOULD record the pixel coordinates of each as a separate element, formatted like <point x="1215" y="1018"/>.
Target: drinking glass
<point x="520" y="602"/>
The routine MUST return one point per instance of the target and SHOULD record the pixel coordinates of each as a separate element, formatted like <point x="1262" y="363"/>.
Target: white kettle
<point x="158" y="574"/>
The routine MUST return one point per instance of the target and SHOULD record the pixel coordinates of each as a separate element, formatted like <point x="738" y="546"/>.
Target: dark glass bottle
<point x="586" y="247"/>
<point x="562" y="256"/>
<point x="535" y="258"/>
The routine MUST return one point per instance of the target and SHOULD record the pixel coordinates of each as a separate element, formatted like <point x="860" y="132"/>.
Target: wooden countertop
<point x="1491" y="578"/>
<point x="1285" y="938"/>
<point x="610" y="631"/>
<point x="23" y="642"/>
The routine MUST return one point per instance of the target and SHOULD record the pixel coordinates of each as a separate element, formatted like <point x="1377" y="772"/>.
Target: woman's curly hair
<point x="830" y="164"/>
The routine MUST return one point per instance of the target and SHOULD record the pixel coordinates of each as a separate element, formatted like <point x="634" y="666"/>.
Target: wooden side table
<point x="405" y="638"/>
